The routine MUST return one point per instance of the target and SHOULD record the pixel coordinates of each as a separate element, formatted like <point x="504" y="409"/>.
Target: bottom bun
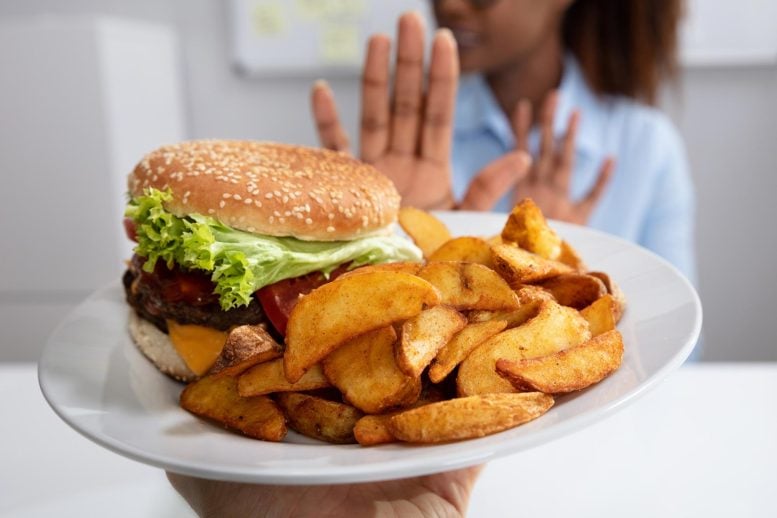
<point x="157" y="347"/>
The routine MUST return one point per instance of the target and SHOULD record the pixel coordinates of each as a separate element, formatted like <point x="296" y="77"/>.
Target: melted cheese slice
<point x="199" y="346"/>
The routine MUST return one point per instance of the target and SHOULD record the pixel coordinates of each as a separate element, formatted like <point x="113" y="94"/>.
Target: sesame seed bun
<point x="271" y="189"/>
<point x="157" y="347"/>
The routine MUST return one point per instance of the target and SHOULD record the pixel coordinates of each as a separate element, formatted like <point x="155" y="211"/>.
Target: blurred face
<point x="493" y="34"/>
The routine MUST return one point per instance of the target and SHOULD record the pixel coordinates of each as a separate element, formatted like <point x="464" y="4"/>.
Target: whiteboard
<point x="306" y="37"/>
<point x="294" y="37"/>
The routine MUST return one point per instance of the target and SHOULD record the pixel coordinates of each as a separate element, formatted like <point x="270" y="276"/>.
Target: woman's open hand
<point x="407" y="137"/>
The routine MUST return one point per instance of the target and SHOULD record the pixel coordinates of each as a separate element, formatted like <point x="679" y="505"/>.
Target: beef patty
<point x="157" y="297"/>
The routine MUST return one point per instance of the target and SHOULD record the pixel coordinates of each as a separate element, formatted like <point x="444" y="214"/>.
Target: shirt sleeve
<point x="668" y="227"/>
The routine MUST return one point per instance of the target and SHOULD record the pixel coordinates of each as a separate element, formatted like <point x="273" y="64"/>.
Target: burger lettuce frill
<point x="240" y="263"/>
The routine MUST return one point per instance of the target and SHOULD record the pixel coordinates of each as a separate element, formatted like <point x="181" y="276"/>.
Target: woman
<point x="570" y="83"/>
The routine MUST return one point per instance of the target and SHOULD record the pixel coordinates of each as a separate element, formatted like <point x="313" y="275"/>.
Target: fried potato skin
<point x="366" y="372"/>
<point x="601" y="315"/>
<point x="216" y="398"/>
<point x="466" y="249"/>
<point x="526" y="226"/>
<point x="319" y="418"/>
<point x="575" y="290"/>
<point x="569" y="370"/>
<point x="372" y="430"/>
<point x="403" y="266"/>
<point x="426" y="231"/>
<point x="468" y="286"/>
<point x="424" y="335"/>
<point x="269" y="377"/>
<point x="553" y="329"/>
<point x="518" y="266"/>
<point x="245" y="347"/>
<point x="467" y="417"/>
<point x="570" y="257"/>
<point x="460" y="345"/>
<point x="614" y="290"/>
<point x="383" y="297"/>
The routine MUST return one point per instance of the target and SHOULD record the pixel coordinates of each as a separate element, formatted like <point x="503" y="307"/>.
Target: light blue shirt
<point x="650" y="198"/>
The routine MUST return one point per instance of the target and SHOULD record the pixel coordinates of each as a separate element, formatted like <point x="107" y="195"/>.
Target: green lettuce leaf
<point x="240" y="262"/>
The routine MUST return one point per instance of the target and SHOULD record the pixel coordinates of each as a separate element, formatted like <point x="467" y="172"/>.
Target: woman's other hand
<point x="549" y="178"/>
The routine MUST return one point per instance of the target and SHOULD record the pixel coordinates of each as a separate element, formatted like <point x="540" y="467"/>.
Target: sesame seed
<point x="330" y="229"/>
<point x="222" y="203"/>
<point x="268" y="195"/>
<point x="308" y="221"/>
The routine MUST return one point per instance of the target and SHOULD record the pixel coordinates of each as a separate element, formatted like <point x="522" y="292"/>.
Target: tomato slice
<point x="279" y="299"/>
<point x="131" y="229"/>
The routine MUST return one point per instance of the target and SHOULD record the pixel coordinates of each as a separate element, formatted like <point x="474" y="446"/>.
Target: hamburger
<point x="234" y="232"/>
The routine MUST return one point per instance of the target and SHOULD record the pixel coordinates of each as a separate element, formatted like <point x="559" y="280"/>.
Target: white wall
<point x="727" y="116"/>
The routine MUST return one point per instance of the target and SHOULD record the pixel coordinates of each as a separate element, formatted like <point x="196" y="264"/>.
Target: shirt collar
<point x="478" y="110"/>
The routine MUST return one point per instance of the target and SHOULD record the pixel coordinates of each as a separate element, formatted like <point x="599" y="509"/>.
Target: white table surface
<point x="703" y="443"/>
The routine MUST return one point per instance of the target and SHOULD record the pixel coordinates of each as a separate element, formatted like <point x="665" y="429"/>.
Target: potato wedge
<point x="268" y="377"/>
<point x="575" y="290"/>
<point x="614" y="290"/>
<point x="216" y="398"/>
<point x="530" y="293"/>
<point x="365" y="370"/>
<point x="553" y="329"/>
<point x="466" y="249"/>
<point x="337" y="311"/>
<point x="461" y="345"/>
<point x="245" y="347"/>
<point x="468" y="417"/>
<point x="601" y="315"/>
<point x="424" y="335"/>
<point x="371" y="430"/>
<point x="402" y="266"/>
<point x="469" y="286"/>
<point x="319" y="418"/>
<point x="513" y="318"/>
<point x="571" y="258"/>
<point x="526" y="226"/>
<point x="426" y="231"/>
<point x="569" y="370"/>
<point x="517" y="266"/>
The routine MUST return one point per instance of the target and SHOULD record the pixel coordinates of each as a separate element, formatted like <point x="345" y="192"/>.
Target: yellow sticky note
<point x="267" y="18"/>
<point x="323" y="10"/>
<point x="340" y="44"/>
<point x="311" y="10"/>
<point x="339" y="9"/>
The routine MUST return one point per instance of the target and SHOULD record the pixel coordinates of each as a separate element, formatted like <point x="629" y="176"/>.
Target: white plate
<point x="97" y="381"/>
